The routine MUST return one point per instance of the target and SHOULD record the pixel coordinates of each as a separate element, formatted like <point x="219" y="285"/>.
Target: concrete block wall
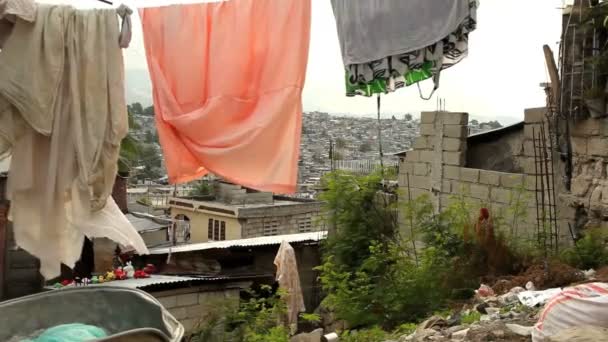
<point x="287" y="224"/>
<point x="437" y="167"/>
<point x="195" y="306"/>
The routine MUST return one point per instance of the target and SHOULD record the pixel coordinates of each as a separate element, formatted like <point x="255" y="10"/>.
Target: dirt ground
<point x="556" y="274"/>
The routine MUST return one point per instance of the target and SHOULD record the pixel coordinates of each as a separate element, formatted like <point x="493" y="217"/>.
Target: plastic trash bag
<point x="578" y="306"/>
<point x="533" y="298"/>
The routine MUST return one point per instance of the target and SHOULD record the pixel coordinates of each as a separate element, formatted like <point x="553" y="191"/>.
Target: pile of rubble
<point x="488" y="318"/>
<point x="500" y="313"/>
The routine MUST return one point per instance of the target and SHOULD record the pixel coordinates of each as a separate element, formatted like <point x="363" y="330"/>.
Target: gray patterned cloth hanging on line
<point x="390" y="44"/>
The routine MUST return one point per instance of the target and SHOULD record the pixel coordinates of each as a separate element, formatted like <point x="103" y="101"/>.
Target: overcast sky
<point x="498" y="79"/>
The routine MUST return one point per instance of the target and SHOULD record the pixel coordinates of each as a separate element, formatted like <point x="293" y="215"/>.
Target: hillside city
<point x="353" y="140"/>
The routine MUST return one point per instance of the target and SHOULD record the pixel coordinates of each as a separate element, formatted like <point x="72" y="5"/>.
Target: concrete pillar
<point x="450" y="143"/>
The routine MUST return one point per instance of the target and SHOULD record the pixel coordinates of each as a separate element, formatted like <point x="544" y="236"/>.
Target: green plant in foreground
<point x="406" y="329"/>
<point x="376" y="277"/>
<point x="310" y="317"/>
<point x="471" y="317"/>
<point x="373" y="334"/>
<point x="588" y="252"/>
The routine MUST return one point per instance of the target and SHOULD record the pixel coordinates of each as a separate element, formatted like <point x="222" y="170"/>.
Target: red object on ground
<point x="120" y="274"/>
<point x="150" y="269"/>
<point x="141" y="274"/>
<point x="66" y="282"/>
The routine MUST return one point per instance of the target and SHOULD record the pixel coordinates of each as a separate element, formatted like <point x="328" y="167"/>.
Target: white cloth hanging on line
<point x="63" y="117"/>
<point x="289" y="280"/>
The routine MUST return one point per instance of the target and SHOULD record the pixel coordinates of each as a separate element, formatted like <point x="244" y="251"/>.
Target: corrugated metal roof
<point x="145" y="282"/>
<point x="257" y="241"/>
<point x="495" y="132"/>
<point x="146" y="223"/>
<point x="156" y="280"/>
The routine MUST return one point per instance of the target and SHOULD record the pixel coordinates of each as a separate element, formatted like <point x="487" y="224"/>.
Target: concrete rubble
<point x="502" y="318"/>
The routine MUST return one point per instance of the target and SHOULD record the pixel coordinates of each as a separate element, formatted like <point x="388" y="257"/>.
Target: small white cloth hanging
<point x="289" y="280"/>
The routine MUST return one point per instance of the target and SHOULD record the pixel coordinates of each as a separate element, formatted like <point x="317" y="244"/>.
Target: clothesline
<point x="234" y="110"/>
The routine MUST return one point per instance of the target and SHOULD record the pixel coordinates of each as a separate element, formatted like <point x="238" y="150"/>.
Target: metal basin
<point x="126" y="314"/>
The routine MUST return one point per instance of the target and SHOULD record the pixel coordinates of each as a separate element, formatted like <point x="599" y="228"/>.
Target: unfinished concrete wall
<point x="437" y="167"/>
<point x="236" y="194"/>
<point x="194" y="306"/>
<point x="281" y="219"/>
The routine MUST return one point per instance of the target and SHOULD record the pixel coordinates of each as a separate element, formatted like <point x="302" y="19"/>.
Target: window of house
<point x="305" y="225"/>
<point x="271" y="228"/>
<point x="210" y="230"/>
<point x="216" y="230"/>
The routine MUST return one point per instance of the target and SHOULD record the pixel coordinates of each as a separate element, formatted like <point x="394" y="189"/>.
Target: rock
<point x="407" y="338"/>
<point x="498" y="333"/>
<point x="492" y="311"/>
<point x="454" y="329"/>
<point x="314" y="336"/>
<point x="424" y="334"/>
<point x="433" y="322"/>
<point x="581" y="334"/>
<point x="454" y="319"/>
<point x="485" y="318"/>
<point x="508" y="298"/>
<point x="460" y="335"/>
<point x="519" y="329"/>
<point x="492" y="301"/>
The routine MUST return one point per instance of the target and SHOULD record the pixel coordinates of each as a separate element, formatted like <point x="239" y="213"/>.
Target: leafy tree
<point x="129" y="149"/>
<point x="351" y="208"/>
<point x="148" y="111"/>
<point x="203" y="188"/>
<point x="407" y="117"/>
<point x="137" y="108"/>
<point x="474" y="122"/>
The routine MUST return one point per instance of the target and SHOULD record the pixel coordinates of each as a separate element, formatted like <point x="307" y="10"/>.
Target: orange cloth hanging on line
<point x="228" y="79"/>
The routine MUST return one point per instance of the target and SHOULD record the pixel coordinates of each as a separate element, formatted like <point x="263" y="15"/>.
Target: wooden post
<point x="553" y="75"/>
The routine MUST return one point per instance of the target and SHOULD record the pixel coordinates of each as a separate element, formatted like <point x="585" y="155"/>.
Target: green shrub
<point x="588" y="252"/>
<point x="406" y="329"/>
<point x="373" y="274"/>
<point x="258" y="319"/>
<point x="373" y="334"/>
<point x="310" y="317"/>
<point x="471" y="317"/>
